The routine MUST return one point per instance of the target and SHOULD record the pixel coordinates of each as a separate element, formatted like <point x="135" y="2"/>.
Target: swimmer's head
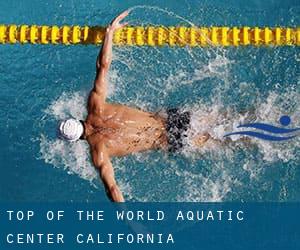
<point x="70" y="130"/>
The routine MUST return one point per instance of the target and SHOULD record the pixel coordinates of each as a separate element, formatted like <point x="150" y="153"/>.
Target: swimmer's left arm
<point x="105" y="56"/>
<point x="103" y="164"/>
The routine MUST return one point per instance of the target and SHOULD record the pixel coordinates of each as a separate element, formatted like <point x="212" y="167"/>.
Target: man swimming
<point x="117" y="130"/>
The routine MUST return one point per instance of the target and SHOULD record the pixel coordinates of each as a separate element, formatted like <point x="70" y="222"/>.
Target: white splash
<point x="68" y="105"/>
<point x="218" y="121"/>
<point x="72" y="157"/>
<point x="210" y="189"/>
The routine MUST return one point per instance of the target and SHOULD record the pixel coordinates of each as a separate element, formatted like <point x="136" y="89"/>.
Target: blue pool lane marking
<point x="284" y="121"/>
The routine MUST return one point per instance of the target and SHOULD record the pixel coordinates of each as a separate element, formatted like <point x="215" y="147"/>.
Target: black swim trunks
<point x="177" y="125"/>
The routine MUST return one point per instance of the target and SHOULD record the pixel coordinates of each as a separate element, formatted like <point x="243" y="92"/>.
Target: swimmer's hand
<point x="105" y="57"/>
<point x="115" y="24"/>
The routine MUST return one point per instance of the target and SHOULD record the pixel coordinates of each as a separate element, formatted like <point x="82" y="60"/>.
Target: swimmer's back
<point x="126" y="130"/>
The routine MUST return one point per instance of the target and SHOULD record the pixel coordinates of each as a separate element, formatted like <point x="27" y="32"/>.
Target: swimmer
<point x="114" y="130"/>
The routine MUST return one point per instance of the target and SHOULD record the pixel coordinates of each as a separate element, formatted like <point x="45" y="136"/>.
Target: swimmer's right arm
<point x="103" y="164"/>
<point x="105" y="56"/>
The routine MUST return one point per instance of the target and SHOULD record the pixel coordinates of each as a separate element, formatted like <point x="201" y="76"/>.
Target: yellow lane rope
<point x="152" y="35"/>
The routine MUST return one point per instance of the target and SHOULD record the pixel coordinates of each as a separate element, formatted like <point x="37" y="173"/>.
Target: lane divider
<point x="152" y="35"/>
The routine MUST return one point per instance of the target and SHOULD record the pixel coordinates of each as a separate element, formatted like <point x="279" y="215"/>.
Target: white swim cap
<point x="70" y="130"/>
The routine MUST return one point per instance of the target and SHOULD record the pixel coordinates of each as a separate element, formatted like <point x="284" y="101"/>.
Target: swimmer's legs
<point x="200" y="140"/>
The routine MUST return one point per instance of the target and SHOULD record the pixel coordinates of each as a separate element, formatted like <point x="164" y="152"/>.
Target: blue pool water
<point x="42" y="84"/>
